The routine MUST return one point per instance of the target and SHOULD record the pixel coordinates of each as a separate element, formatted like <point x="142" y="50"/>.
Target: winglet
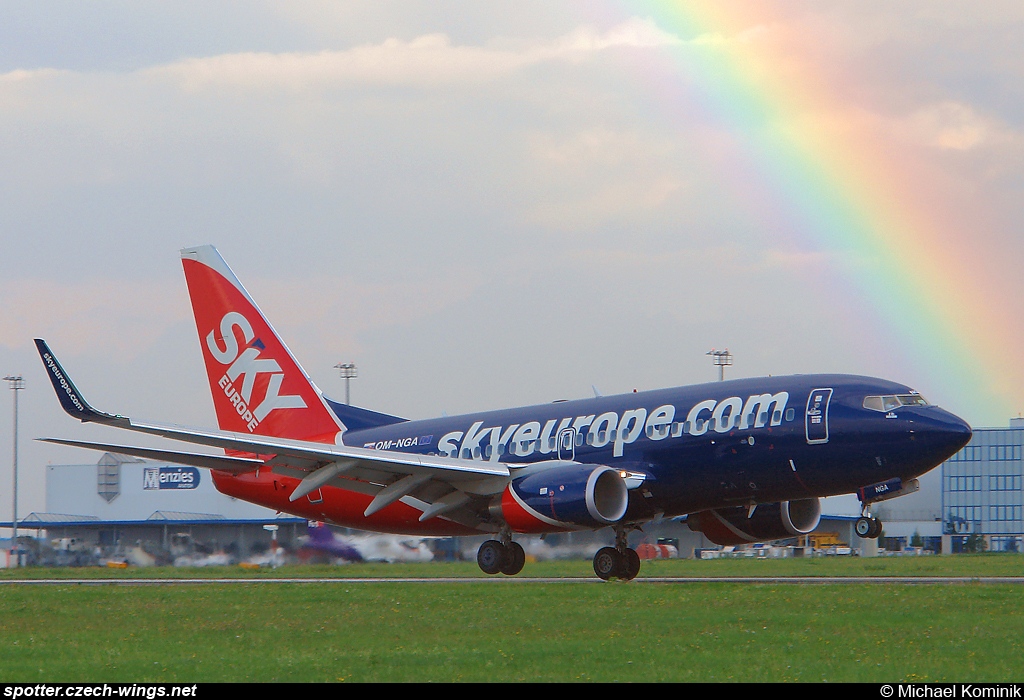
<point x="71" y="399"/>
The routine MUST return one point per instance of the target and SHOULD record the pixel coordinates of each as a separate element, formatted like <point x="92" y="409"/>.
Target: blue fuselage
<point x="710" y="445"/>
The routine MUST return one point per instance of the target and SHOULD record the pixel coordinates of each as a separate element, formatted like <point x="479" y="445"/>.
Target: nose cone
<point x="946" y="433"/>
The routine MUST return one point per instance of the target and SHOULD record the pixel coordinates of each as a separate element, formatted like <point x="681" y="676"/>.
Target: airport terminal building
<point x="981" y="488"/>
<point x="107" y="507"/>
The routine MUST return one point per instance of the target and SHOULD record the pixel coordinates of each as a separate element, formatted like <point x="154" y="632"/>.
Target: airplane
<point x="743" y="460"/>
<point x="387" y="548"/>
<point x="321" y="541"/>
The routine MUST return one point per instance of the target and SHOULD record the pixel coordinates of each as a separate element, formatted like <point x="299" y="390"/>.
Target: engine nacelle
<point x="565" y="497"/>
<point x="770" y="521"/>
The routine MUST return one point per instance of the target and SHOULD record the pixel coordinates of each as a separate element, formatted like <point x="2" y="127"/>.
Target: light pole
<point x="348" y="372"/>
<point x="17" y="384"/>
<point x="723" y="358"/>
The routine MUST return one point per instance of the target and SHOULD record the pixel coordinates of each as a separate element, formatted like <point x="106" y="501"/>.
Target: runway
<point x="500" y="580"/>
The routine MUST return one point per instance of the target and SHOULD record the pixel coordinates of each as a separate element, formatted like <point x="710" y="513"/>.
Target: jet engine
<point x="571" y="495"/>
<point x="769" y="521"/>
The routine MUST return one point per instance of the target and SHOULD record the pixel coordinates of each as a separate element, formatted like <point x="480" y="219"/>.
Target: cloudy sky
<point x="495" y="204"/>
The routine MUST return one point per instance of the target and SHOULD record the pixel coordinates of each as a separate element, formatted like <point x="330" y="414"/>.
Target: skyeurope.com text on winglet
<point x="71" y="399"/>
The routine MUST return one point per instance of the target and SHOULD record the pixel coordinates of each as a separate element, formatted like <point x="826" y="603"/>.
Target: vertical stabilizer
<point x="257" y="385"/>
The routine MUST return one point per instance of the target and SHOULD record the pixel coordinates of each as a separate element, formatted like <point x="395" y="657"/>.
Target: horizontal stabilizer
<point x="234" y="465"/>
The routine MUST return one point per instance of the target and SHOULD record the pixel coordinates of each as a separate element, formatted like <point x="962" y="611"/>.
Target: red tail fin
<point x="257" y="385"/>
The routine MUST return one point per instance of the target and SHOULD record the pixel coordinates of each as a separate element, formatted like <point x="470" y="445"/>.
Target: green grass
<point x="397" y="631"/>
<point x="960" y="565"/>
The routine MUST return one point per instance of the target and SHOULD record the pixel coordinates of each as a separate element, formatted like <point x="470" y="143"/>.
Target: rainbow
<point x="907" y="255"/>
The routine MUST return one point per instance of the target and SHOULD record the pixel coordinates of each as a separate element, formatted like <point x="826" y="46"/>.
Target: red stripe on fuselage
<point x="718" y="531"/>
<point x="521" y="519"/>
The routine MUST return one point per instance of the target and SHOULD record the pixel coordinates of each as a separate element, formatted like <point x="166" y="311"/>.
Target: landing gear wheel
<point x="491" y="557"/>
<point x="863" y="527"/>
<point x="868" y="528"/>
<point x="515" y="559"/>
<point x="630" y="564"/>
<point x="608" y="563"/>
<point x="876" y="528"/>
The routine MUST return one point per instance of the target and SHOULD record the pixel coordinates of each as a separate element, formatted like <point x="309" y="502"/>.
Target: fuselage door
<point x="567" y="445"/>
<point x="816" y="418"/>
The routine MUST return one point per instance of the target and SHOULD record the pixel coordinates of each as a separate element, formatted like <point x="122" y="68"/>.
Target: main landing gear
<point x="501" y="557"/>
<point x="619" y="561"/>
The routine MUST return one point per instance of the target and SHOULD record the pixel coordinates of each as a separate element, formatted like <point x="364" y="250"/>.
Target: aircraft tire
<point x="491" y="557"/>
<point x="515" y="559"/>
<point x="630" y="564"/>
<point x="863" y="527"/>
<point x="876" y="529"/>
<point x="608" y="563"/>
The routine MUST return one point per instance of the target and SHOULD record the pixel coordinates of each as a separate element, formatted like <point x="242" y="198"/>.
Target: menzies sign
<point x="170" y="478"/>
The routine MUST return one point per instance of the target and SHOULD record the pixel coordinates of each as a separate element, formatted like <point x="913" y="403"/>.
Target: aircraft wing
<point x="441" y="484"/>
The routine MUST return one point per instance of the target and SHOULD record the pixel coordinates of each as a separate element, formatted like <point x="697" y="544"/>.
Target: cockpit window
<point x="892" y="402"/>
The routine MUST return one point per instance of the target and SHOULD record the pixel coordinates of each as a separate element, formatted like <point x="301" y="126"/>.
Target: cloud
<point x="614" y="201"/>
<point x="588" y="178"/>
<point x="338" y="312"/>
<point x="120" y="316"/>
<point x="127" y="317"/>
<point x="956" y="126"/>
<point x="427" y="60"/>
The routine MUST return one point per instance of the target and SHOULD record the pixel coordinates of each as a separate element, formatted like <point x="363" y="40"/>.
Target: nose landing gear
<point x="868" y="528"/>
